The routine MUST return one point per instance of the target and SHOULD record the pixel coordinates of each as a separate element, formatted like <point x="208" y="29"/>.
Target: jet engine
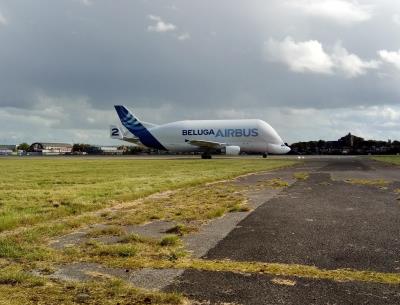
<point x="232" y="150"/>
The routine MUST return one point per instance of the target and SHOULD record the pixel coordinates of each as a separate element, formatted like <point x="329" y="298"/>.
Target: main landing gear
<point x="265" y="155"/>
<point x="206" y="156"/>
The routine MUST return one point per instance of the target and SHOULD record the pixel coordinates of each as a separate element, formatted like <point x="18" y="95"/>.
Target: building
<point x="50" y="148"/>
<point x="105" y="150"/>
<point x="7" y="149"/>
<point x="111" y="150"/>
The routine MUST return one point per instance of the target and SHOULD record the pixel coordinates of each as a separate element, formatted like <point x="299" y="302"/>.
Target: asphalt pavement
<point x="323" y="221"/>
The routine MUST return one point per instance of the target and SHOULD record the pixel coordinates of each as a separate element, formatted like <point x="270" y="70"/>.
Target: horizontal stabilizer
<point x="115" y="132"/>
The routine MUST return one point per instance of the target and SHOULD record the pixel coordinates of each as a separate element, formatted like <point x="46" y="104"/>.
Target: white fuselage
<point x="251" y="135"/>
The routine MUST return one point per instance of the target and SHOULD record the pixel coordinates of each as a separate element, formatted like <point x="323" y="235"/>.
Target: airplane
<point x="230" y="137"/>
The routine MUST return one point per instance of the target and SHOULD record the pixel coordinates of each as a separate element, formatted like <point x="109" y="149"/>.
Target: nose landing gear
<point x="265" y="155"/>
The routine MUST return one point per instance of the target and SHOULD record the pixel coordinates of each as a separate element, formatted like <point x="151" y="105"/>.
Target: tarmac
<point x="345" y="215"/>
<point x="335" y="219"/>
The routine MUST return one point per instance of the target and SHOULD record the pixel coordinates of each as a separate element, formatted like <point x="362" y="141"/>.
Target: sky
<point x="313" y="69"/>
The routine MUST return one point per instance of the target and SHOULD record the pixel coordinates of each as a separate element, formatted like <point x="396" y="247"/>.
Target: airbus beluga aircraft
<point x="207" y="136"/>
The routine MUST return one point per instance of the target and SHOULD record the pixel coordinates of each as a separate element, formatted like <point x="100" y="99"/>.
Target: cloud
<point x="350" y="64"/>
<point x="294" y="124"/>
<point x="160" y="26"/>
<point x="183" y="36"/>
<point x="118" y="61"/>
<point x="306" y="56"/>
<point x="391" y="57"/>
<point x="56" y="118"/>
<point x="343" y="12"/>
<point x="309" y="56"/>
<point x="3" y="20"/>
<point x="396" y="19"/>
<point x="87" y="2"/>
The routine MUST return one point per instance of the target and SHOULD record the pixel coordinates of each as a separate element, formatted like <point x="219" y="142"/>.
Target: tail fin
<point x="131" y="123"/>
<point x="115" y="133"/>
<point x="129" y="120"/>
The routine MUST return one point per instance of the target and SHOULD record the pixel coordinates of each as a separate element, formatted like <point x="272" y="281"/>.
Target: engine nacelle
<point x="232" y="150"/>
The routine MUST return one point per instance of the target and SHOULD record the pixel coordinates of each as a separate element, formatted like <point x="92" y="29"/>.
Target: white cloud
<point x="310" y="56"/>
<point x="86" y="2"/>
<point x="173" y="7"/>
<point x="57" y="119"/>
<point x="391" y="57"/>
<point x="350" y="64"/>
<point x="184" y="36"/>
<point x="160" y="26"/>
<point x="3" y="20"/>
<point x="306" y="56"/>
<point x="396" y="19"/>
<point x="343" y="12"/>
<point x="293" y="124"/>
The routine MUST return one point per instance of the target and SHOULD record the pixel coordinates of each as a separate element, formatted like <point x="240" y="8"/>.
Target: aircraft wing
<point x="206" y="144"/>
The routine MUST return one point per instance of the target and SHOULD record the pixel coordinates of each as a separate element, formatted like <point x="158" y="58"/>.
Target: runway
<point x="345" y="215"/>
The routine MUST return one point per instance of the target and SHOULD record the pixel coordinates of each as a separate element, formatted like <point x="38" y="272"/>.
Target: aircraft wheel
<point x="206" y="156"/>
<point x="265" y="155"/>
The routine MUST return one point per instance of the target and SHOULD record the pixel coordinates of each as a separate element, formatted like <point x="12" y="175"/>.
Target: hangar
<point x="7" y="149"/>
<point x="105" y="150"/>
<point x="50" y="148"/>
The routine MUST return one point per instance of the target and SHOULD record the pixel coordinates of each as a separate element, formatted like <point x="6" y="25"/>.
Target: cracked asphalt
<point x="322" y="221"/>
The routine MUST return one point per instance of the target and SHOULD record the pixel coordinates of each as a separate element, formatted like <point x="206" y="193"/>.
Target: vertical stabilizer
<point x="130" y="122"/>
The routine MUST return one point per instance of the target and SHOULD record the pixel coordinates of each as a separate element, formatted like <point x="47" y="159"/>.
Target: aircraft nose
<point x="278" y="149"/>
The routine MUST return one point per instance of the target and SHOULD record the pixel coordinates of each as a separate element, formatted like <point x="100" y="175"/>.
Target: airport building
<point x="111" y="150"/>
<point x="7" y="149"/>
<point x="105" y="150"/>
<point x="50" y="148"/>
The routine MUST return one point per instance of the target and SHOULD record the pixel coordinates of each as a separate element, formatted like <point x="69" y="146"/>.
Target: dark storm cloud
<point x="197" y="57"/>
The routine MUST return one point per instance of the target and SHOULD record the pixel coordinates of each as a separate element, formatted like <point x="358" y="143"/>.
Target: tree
<point x="132" y="150"/>
<point x="80" y="148"/>
<point x="23" y="146"/>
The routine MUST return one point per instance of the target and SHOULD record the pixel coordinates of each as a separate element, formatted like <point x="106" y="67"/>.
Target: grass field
<point x="42" y="199"/>
<point x="35" y="190"/>
<point x="388" y="159"/>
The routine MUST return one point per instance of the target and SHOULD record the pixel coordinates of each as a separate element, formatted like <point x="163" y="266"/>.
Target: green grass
<point x="133" y="238"/>
<point x="388" y="159"/>
<point x="301" y="175"/>
<point x="108" y="230"/>
<point x="200" y="203"/>
<point x="170" y="240"/>
<point x="369" y="182"/>
<point x="275" y="183"/>
<point x="42" y="199"/>
<point x="277" y="269"/>
<point x="36" y="190"/>
<point x="14" y="275"/>
<point x="108" y="291"/>
<point x="122" y="250"/>
<point x="45" y="198"/>
<point x="239" y="208"/>
<point x="181" y="229"/>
